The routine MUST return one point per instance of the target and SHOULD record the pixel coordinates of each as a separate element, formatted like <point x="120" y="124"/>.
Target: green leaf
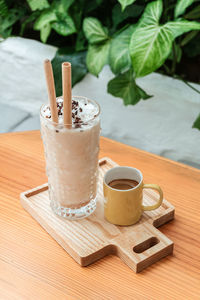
<point x="3" y="8"/>
<point x="6" y="22"/>
<point x="94" y="31"/>
<point x="64" y="26"/>
<point x="47" y="16"/>
<point x="45" y="32"/>
<point x="57" y="18"/>
<point x="79" y="69"/>
<point x="130" y="12"/>
<point x="194" y="13"/>
<point x="76" y="12"/>
<point x="125" y="3"/>
<point x="43" y="23"/>
<point x="89" y="6"/>
<point x="181" y="26"/>
<point x="30" y="19"/>
<point x="197" y="123"/>
<point x="13" y="16"/>
<point x="125" y="87"/>
<point x="188" y="38"/>
<point x="66" y="4"/>
<point x="181" y="7"/>
<point x="81" y="42"/>
<point x="97" y="57"/>
<point x="38" y="4"/>
<point x="119" y="57"/>
<point x="151" y="42"/>
<point x="152" y="14"/>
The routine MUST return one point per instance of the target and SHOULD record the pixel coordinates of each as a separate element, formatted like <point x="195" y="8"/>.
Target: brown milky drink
<point x="123" y="184"/>
<point x="72" y="157"/>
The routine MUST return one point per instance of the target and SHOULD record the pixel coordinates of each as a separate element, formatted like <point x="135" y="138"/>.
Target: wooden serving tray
<point x="90" y="239"/>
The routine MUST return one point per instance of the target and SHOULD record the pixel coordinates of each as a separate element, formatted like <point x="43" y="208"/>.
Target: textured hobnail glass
<point x="72" y="165"/>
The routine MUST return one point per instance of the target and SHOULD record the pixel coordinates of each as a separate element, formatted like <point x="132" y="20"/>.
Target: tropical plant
<point x="135" y="37"/>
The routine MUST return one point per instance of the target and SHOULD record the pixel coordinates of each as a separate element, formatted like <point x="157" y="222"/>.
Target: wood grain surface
<point x="92" y="238"/>
<point x="34" y="266"/>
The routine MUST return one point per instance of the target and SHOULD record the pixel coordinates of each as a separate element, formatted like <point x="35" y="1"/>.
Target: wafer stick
<point x="67" y="94"/>
<point x="51" y="90"/>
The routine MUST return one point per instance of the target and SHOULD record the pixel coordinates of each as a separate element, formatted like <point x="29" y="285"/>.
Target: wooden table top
<point x="34" y="266"/>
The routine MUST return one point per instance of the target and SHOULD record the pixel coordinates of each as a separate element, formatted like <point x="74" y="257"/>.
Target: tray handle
<point x="142" y="248"/>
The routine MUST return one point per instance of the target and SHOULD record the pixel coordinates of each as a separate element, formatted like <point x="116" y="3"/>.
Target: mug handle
<point x="157" y="188"/>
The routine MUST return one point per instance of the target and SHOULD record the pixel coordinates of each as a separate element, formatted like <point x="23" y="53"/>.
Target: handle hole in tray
<point x="146" y="245"/>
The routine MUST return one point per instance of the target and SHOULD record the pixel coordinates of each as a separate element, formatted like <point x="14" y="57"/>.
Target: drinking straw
<point x="51" y="90"/>
<point x="67" y="94"/>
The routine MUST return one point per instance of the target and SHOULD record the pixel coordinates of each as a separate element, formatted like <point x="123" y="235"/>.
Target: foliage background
<point x="135" y="37"/>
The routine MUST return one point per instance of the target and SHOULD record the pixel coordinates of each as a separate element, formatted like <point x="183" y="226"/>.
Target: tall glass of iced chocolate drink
<point x="71" y="152"/>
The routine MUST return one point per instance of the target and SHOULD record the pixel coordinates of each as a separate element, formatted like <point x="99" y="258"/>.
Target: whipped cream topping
<point x="83" y="110"/>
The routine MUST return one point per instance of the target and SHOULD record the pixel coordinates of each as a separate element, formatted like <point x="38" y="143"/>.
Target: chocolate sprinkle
<point x="77" y="121"/>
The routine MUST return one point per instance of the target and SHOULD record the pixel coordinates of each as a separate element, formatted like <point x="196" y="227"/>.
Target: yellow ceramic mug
<point x="124" y="207"/>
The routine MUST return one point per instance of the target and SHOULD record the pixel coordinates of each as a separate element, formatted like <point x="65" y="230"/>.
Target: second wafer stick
<point x="67" y="94"/>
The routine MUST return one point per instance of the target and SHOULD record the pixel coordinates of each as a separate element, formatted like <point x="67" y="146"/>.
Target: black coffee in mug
<point x="123" y="184"/>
